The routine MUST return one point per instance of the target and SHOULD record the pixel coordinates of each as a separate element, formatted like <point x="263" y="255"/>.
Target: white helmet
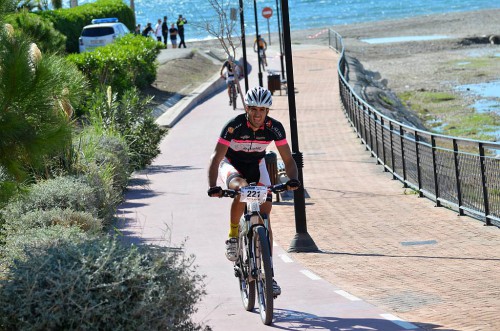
<point x="258" y="97"/>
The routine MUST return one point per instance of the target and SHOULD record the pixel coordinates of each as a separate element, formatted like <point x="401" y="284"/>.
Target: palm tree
<point x="36" y="93"/>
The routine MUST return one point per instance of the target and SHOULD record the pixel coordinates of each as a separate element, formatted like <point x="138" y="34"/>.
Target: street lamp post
<point x="243" y="45"/>
<point x="302" y="242"/>
<point x="257" y="36"/>
<point x="281" y="43"/>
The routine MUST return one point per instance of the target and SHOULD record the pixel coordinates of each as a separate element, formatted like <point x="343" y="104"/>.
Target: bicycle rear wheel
<point x="247" y="288"/>
<point x="264" y="277"/>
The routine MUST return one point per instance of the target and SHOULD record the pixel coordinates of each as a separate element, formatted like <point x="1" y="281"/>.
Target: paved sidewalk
<point x="379" y="241"/>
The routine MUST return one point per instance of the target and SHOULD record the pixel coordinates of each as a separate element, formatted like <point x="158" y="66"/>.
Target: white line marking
<point x="286" y="258"/>
<point x="347" y="295"/>
<point x="400" y="322"/>
<point x="310" y="274"/>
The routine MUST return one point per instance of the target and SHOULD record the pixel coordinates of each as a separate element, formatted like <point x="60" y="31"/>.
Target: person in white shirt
<point x="158" y="30"/>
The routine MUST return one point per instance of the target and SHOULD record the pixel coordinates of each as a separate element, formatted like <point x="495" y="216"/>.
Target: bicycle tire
<point x="233" y="96"/>
<point x="264" y="281"/>
<point x="247" y="288"/>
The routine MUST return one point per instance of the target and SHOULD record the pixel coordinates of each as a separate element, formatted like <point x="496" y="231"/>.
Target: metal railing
<point x="461" y="174"/>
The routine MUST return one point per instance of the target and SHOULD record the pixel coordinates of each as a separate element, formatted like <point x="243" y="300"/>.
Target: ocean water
<point x="304" y="14"/>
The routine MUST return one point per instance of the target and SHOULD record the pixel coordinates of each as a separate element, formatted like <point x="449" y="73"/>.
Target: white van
<point x="101" y="32"/>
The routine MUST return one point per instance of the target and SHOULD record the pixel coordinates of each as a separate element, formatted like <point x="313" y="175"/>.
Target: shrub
<point x="17" y="244"/>
<point x="129" y="62"/>
<point x="45" y="218"/>
<point x="40" y="30"/>
<point x="66" y="192"/>
<point x="100" y="284"/>
<point x="132" y="117"/>
<point x="92" y="146"/>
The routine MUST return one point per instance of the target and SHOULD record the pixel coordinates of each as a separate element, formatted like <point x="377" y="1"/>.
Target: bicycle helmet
<point x="258" y="97"/>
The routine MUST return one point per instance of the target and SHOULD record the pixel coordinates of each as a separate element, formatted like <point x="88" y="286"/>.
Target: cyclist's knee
<point x="236" y="183"/>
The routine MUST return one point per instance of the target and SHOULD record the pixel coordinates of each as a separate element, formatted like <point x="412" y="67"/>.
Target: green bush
<point x="88" y="193"/>
<point x="92" y="146"/>
<point x="65" y="192"/>
<point x="100" y="284"/>
<point x="70" y="22"/>
<point x="40" y="30"/>
<point x="18" y="244"/>
<point x="128" y="62"/>
<point x="130" y="116"/>
<point x="45" y="218"/>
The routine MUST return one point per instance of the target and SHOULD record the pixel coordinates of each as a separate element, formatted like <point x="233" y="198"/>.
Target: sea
<point x="304" y="14"/>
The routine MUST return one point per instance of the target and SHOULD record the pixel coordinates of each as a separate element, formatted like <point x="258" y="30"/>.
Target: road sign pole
<point x="259" y="60"/>
<point x="268" y="32"/>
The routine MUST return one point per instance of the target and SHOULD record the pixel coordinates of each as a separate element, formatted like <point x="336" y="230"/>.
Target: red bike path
<point x="167" y="205"/>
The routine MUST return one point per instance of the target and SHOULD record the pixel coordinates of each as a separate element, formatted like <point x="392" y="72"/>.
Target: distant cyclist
<point x="230" y="70"/>
<point x="260" y="47"/>
<point x="238" y="159"/>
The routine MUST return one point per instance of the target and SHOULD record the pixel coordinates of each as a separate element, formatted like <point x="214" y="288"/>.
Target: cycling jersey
<point x="245" y="144"/>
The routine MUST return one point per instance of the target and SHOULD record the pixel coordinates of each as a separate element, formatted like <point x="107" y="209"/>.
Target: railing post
<point x="369" y="145"/>
<point x="434" y="170"/>
<point x="483" y="182"/>
<point x="401" y="135"/>
<point x="383" y="142"/>
<point x="417" y="155"/>
<point x="376" y="138"/>
<point x="457" y="177"/>
<point x="364" y="127"/>
<point x="392" y="150"/>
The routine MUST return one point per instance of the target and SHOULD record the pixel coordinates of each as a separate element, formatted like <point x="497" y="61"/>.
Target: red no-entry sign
<point x="267" y="12"/>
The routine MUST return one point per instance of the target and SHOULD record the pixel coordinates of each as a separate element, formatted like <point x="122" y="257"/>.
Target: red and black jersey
<point x="245" y="144"/>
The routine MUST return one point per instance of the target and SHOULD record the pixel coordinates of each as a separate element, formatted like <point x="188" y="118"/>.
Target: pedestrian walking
<point x="181" y="21"/>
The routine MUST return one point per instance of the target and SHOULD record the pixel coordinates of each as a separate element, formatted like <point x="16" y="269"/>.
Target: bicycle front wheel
<point x="264" y="279"/>
<point x="247" y="288"/>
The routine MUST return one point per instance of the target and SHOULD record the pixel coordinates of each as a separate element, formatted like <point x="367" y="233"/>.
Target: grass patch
<point x="448" y="114"/>
<point x="474" y="63"/>
<point x="475" y="126"/>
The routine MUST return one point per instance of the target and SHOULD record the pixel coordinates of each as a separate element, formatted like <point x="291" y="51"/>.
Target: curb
<point x="171" y="115"/>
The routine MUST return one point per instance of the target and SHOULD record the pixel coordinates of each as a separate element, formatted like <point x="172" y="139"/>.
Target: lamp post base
<point x="302" y="243"/>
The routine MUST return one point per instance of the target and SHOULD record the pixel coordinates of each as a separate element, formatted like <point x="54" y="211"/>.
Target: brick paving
<point x="377" y="240"/>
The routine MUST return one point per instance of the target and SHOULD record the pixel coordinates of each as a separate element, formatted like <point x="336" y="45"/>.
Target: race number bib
<point x="253" y="193"/>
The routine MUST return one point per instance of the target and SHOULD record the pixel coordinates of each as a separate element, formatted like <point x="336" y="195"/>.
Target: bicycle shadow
<point x="285" y="319"/>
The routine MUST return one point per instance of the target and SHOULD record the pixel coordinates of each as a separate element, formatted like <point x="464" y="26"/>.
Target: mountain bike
<point x="233" y="94"/>
<point x="263" y="60"/>
<point x="254" y="265"/>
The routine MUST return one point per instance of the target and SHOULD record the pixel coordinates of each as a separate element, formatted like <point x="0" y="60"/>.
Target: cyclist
<point x="238" y="159"/>
<point x="260" y="47"/>
<point x="231" y="73"/>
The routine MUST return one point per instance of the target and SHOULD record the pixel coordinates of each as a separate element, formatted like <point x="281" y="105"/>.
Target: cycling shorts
<point x="255" y="172"/>
<point x="229" y="79"/>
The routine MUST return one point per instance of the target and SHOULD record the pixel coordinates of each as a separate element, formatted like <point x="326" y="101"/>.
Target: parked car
<point x="101" y="32"/>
